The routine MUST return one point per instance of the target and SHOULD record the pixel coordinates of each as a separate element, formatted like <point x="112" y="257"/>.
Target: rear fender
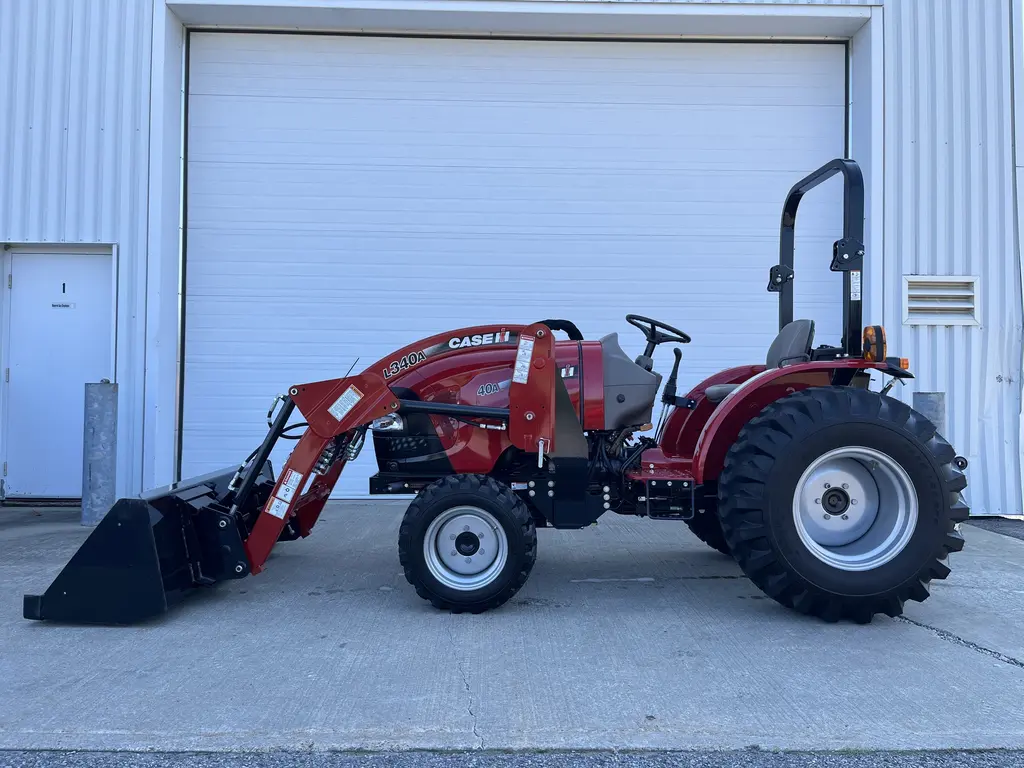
<point x="751" y="397"/>
<point x="683" y="425"/>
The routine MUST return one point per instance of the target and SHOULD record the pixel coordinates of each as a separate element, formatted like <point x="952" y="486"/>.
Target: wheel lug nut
<point x="828" y="485"/>
<point x="846" y="517"/>
<point x="853" y="501"/>
<point x="846" y="486"/>
<point x="469" y="559"/>
<point x="454" y="553"/>
<point x="465" y="528"/>
<point x="452" y="537"/>
<point x="817" y="501"/>
<point x="828" y="516"/>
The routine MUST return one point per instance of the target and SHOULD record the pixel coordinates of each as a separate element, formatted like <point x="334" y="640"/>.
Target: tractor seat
<point x="792" y="345"/>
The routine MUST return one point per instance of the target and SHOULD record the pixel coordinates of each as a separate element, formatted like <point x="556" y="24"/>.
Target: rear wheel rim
<point x="465" y="548"/>
<point x="855" y="508"/>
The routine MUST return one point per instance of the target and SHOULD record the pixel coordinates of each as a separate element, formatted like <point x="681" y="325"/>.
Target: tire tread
<point x="477" y="485"/>
<point x="707" y="527"/>
<point x="744" y="480"/>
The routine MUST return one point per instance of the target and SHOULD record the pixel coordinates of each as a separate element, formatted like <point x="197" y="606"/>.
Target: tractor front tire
<point x="706" y="526"/>
<point x="842" y="503"/>
<point x="467" y="543"/>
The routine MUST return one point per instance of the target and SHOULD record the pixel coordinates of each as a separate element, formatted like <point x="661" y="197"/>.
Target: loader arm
<point x="148" y="552"/>
<point x="338" y="412"/>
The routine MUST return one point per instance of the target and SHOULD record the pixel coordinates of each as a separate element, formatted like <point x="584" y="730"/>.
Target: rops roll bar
<point x="847" y="254"/>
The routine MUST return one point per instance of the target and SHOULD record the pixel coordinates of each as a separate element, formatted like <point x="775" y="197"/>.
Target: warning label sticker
<point x="289" y="486"/>
<point x="523" y="357"/>
<point x="345" y="403"/>
<point x="278" y="508"/>
<point x="855" y="285"/>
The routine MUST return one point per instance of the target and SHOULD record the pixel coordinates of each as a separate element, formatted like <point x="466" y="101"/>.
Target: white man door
<point x="57" y="337"/>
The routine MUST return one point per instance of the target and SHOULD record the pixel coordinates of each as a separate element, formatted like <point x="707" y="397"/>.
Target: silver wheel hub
<point x="855" y="508"/>
<point x="465" y="548"/>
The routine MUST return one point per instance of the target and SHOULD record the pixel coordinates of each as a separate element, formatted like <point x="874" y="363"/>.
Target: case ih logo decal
<point x="412" y="359"/>
<point x="480" y="339"/>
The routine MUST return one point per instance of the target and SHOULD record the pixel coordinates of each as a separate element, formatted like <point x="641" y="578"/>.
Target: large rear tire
<point x="467" y="543"/>
<point x="842" y="503"/>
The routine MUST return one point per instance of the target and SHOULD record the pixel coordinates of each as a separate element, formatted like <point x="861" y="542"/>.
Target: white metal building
<point x="206" y="202"/>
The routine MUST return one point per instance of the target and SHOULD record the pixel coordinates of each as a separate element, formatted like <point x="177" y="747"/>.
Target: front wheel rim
<point x="465" y="548"/>
<point x="855" y="508"/>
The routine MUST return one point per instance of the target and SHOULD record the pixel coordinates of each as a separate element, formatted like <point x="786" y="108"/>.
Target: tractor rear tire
<point x="706" y="526"/>
<point x="862" y="544"/>
<point x="467" y="543"/>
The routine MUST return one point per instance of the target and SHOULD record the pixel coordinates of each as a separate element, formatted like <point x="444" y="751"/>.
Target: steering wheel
<point x="653" y="335"/>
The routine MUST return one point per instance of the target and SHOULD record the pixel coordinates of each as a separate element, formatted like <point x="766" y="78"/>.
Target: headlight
<point x="390" y="423"/>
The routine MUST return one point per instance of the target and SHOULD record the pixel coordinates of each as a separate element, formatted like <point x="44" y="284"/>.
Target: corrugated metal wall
<point x="74" y="148"/>
<point x="74" y="84"/>
<point x="950" y="210"/>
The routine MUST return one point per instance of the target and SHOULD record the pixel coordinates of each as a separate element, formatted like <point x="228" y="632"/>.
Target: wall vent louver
<point x="940" y="300"/>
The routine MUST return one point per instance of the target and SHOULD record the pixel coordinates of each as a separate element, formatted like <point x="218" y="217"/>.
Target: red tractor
<point x="834" y="499"/>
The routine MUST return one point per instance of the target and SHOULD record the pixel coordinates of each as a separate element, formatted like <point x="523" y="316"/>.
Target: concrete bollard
<point x="99" y="451"/>
<point x="932" y="405"/>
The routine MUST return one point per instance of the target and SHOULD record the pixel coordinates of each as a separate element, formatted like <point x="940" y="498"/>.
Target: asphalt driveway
<point x="631" y="635"/>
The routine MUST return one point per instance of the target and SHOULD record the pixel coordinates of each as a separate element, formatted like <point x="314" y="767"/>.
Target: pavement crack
<point x="951" y="637"/>
<point x="461" y="664"/>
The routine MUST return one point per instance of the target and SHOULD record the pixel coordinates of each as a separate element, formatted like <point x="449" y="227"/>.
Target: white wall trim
<point x="866" y="131"/>
<point x="528" y="17"/>
<point x="162" y="268"/>
<point x="66" y="246"/>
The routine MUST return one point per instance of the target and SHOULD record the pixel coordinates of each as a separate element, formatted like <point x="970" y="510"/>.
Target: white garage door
<point x="348" y="195"/>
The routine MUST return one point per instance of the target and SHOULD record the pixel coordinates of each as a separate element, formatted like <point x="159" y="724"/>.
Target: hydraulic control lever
<point x="668" y="396"/>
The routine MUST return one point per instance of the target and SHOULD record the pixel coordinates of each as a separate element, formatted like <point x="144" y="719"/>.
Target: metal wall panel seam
<point x="1015" y="33"/>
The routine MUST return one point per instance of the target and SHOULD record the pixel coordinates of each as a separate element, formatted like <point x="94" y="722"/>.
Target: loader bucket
<point x="148" y="553"/>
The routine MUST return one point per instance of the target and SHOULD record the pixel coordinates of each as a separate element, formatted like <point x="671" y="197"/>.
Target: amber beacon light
<point x="874" y="343"/>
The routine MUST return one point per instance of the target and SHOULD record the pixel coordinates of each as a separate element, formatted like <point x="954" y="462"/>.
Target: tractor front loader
<point x="836" y="500"/>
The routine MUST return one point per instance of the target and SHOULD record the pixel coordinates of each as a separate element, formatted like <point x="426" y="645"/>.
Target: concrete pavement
<point x="713" y="759"/>
<point x="629" y="635"/>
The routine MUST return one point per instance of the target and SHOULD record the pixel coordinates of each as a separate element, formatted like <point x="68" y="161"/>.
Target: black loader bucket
<point x="149" y="552"/>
